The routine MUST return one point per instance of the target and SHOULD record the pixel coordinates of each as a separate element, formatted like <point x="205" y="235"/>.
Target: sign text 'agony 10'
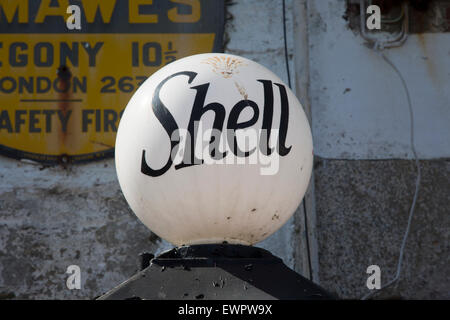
<point x="62" y="91"/>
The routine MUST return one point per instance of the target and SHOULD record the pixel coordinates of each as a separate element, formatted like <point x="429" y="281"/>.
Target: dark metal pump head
<point x="223" y="272"/>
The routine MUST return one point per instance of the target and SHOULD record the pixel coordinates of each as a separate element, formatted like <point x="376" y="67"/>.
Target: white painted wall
<point x="371" y="121"/>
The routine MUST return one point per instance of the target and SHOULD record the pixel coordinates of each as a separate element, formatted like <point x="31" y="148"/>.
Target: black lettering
<point x="4" y="88"/>
<point x="284" y="122"/>
<point x="64" y="118"/>
<point x="198" y="110"/>
<point x="267" y="118"/>
<point x="5" y="121"/>
<point x="33" y="121"/>
<point x="40" y="82"/>
<point x="109" y="120"/>
<point x="135" y="54"/>
<point x="146" y="53"/>
<point x="28" y="85"/>
<point x="98" y="119"/>
<point x="233" y="125"/>
<point x="16" y="60"/>
<point x="19" y="120"/>
<point x="109" y="86"/>
<point x="92" y="51"/>
<point x="41" y="60"/>
<point x="61" y="85"/>
<point x="67" y="53"/>
<point x="48" y="119"/>
<point x="77" y="84"/>
<point x="167" y="121"/>
<point x="85" y="119"/>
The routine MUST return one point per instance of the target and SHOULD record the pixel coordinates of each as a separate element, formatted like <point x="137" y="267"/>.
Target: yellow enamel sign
<point x="62" y="91"/>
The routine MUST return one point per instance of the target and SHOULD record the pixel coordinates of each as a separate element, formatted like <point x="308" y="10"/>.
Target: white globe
<point x="214" y="192"/>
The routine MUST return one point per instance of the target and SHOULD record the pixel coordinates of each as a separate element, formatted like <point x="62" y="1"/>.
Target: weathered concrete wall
<point x="51" y="218"/>
<point x="362" y="211"/>
<point x="360" y="110"/>
<point x="360" y="113"/>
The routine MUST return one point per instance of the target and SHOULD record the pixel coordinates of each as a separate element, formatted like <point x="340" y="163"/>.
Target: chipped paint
<point x="225" y="66"/>
<point x="372" y="120"/>
<point x="241" y="90"/>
